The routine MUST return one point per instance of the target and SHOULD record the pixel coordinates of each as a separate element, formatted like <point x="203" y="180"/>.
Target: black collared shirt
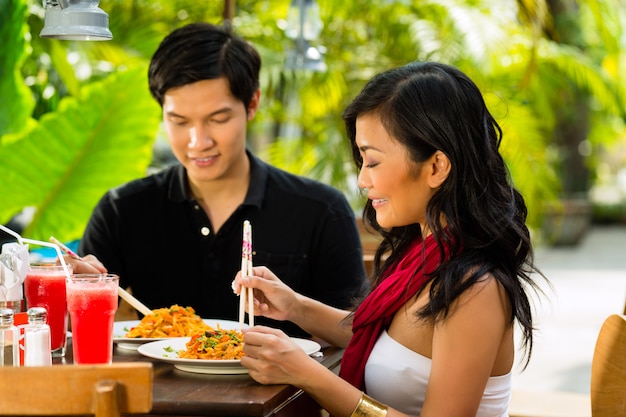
<point x="161" y="243"/>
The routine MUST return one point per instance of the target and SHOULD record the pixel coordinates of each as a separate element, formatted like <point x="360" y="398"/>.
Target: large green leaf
<point x="75" y="154"/>
<point x="14" y="94"/>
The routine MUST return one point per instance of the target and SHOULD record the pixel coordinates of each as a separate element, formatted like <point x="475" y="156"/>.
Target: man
<point x="175" y="237"/>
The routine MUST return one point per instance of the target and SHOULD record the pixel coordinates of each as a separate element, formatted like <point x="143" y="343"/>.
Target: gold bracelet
<point x="369" y="407"/>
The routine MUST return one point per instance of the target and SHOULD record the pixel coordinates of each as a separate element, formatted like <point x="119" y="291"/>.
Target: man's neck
<point x="220" y="198"/>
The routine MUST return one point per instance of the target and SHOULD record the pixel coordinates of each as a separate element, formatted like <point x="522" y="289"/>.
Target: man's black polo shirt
<point x="161" y="243"/>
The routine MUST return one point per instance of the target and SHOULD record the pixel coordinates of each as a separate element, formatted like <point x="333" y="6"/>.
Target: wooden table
<point x="178" y="393"/>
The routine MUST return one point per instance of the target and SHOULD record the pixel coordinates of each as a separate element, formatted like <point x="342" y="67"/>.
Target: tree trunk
<point x="572" y="126"/>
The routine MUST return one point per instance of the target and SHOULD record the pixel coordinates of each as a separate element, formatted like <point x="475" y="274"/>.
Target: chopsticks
<point x="125" y="295"/>
<point x="130" y="299"/>
<point x="246" y="270"/>
<point x="65" y="249"/>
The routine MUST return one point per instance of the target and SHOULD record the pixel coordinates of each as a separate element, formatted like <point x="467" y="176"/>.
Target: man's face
<point x="206" y="126"/>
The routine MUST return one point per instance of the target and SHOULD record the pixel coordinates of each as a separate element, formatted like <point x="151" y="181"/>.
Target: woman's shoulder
<point x="485" y="294"/>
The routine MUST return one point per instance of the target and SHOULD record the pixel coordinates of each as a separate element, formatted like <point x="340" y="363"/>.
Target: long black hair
<point x="428" y="106"/>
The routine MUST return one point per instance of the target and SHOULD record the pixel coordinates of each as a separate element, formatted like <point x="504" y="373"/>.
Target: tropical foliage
<point x="79" y="119"/>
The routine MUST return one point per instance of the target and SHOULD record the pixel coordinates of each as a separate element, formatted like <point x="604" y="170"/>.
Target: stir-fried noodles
<point x="175" y="321"/>
<point x="214" y="344"/>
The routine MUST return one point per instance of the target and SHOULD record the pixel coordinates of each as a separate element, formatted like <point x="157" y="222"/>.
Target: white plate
<point x="120" y="328"/>
<point x="167" y="351"/>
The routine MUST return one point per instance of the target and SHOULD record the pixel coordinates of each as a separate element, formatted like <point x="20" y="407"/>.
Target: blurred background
<point x="77" y="119"/>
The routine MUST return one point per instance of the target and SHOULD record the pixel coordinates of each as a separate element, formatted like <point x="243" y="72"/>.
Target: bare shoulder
<point x="486" y="289"/>
<point x="485" y="301"/>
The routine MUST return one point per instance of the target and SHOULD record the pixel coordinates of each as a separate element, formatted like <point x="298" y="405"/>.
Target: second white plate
<point x="166" y="350"/>
<point x="120" y="328"/>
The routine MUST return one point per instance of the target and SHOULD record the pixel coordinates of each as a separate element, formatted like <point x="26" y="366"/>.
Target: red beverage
<point x="92" y="302"/>
<point x="44" y="286"/>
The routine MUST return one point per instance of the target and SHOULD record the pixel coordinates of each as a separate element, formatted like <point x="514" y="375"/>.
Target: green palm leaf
<point x="567" y="64"/>
<point x="13" y="91"/>
<point x="64" y="165"/>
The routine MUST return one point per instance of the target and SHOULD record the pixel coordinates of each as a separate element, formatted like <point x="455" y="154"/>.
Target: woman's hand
<point x="275" y="300"/>
<point x="88" y="264"/>
<point x="272" y="298"/>
<point x="272" y="358"/>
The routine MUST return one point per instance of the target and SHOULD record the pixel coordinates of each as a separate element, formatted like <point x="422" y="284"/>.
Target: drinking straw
<point x="57" y="250"/>
<point x="130" y="299"/>
<point x="12" y="233"/>
<point x="246" y="270"/>
<point x="21" y="240"/>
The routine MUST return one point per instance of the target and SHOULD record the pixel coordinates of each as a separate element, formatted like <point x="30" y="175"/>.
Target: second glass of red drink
<point x="92" y="302"/>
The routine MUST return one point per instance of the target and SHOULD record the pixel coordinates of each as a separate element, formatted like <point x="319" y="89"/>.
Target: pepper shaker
<point x="9" y="339"/>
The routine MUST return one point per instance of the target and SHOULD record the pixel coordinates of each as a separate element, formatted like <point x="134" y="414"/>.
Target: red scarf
<point x="376" y="312"/>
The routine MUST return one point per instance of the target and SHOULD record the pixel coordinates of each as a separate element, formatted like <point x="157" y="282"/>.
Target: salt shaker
<point x="37" y="338"/>
<point x="9" y="339"/>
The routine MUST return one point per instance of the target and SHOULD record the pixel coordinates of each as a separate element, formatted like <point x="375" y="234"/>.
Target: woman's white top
<point x="397" y="376"/>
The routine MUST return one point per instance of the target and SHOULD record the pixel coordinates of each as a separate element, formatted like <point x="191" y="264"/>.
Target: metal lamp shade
<point x="78" y="21"/>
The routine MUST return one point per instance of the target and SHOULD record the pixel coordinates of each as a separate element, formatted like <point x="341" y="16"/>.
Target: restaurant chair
<point x="368" y="261"/>
<point x="100" y="390"/>
<point x="369" y="240"/>
<point x="608" y="383"/>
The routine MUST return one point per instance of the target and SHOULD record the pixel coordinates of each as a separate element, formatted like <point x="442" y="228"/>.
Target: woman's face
<point x="399" y="188"/>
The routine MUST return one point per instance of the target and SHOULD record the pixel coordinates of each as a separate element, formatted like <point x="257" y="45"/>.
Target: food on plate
<point x="214" y="344"/>
<point x="175" y="321"/>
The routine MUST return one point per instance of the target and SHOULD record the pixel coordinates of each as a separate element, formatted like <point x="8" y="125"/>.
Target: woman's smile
<point x="378" y="202"/>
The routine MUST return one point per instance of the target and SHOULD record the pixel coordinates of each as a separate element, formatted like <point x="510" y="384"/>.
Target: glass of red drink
<point x="92" y="302"/>
<point x="44" y="286"/>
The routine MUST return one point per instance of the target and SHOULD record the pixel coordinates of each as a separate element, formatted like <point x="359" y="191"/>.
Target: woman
<point x="435" y="335"/>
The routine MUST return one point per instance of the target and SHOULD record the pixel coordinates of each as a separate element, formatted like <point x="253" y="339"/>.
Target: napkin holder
<point x="13" y="268"/>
